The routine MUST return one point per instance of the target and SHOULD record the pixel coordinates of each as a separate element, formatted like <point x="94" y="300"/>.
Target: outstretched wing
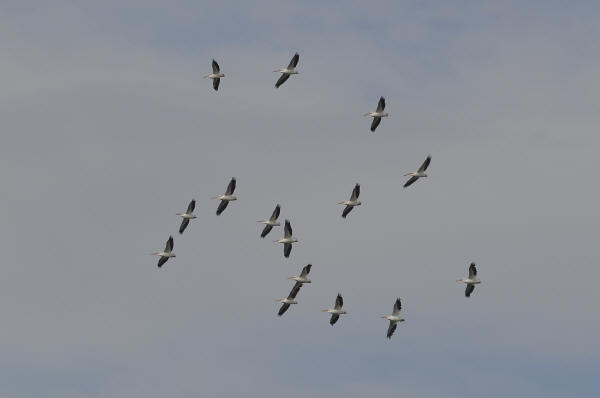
<point x="472" y="271"/>
<point x="294" y="61"/>
<point x="282" y="79"/>
<point x="469" y="289"/>
<point x="305" y="271"/>
<point x="334" y="319"/>
<point x="375" y="123"/>
<point x="283" y="309"/>
<point x="191" y="207"/>
<point x="410" y="181"/>
<point x="397" y="307"/>
<point x="287" y="229"/>
<point x="339" y="302"/>
<point x="425" y="164"/>
<point x="230" y="187"/>
<point x="266" y="231"/>
<point x="215" y="67"/>
<point x="216" y="83"/>
<point x="347" y="210"/>
<point x="294" y="291"/>
<point x="381" y="105"/>
<point x="275" y="214"/>
<point x="184" y="224"/>
<point x="222" y="206"/>
<point x="287" y="249"/>
<point x="355" y="192"/>
<point x="391" y="329"/>
<point x="169" y="245"/>
<point x="161" y="261"/>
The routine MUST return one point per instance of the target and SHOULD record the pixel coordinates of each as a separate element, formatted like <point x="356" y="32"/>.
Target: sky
<point x="109" y="129"/>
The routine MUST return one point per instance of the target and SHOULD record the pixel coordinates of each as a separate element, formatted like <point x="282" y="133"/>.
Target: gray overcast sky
<point x="108" y="130"/>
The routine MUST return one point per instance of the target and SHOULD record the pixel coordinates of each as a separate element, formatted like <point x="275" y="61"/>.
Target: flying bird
<point x="290" y="299"/>
<point x="378" y="114"/>
<point x="471" y="281"/>
<point x="352" y="202"/>
<point x="337" y="310"/>
<point x="271" y="222"/>
<point x="216" y="75"/>
<point x="419" y="173"/>
<point x="187" y="216"/>
<point x="290" y="70"/>
<point x="165" y="254"/>
<point x="225" y="199"/>
<point x="287" y="239"/>
<point x="394" y="318"/>
<point x="303" y="278"/>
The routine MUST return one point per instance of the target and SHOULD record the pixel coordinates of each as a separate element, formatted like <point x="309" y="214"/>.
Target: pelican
<point x="216" y="75"/>
<point x="352" y="202"/>
<point x="419" y="173"/>
<point x="394" y="318"/>
<point x="290" y="299"/>
<point x="471" y="281"/>
<point x="290" y="70"/>
<point x="303" y="278"/>
<point x="337" y="310"/>
<point x="165" y="254"/>
<point x="287" y="239"/>
<point x="225" y="199"/>
<point x="378" y="114"/>
<point x="271" y="222"/>
<point x="187" y="216"/>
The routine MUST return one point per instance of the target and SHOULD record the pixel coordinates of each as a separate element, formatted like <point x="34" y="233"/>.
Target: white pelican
<point x="352" y="202"/>
<point x="216" y="75"/>
<point x="394" y="318"/>
<point x="225" y="199"/>
<point x="337" y="310"/>
<point x="290" y="70"/>
<point x="378" y="114"/>
<point x="419" y="173"/>
<point x="303" y="278"/>
<point x="271" y="222"/>
<point x="287" y="239"/>
<point x="471" y="281"/>
<point x="290" y="299"/>
<point x="187" y="216"/>
<point x="165" y="254"/>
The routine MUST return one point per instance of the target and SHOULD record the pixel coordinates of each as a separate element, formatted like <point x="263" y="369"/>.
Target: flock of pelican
<point x="288" y="238"/>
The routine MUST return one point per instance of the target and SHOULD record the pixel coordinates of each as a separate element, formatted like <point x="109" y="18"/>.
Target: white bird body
<point x="471" y="280"/>
<point x="291" y="239"/>
<point x="225" y="197"/>
<point x="185" y="215"/>
<point x="272" y="223"/>
<point x="216" y="75"/>
<point x="165" y="254"/>
<point x="303" y="277"/>
<point x="377" y="114"/>
<point x="334" y="311"/>
<point x="351" y="202"/>
<point x="337" y="310"/>
<point x="287" y="301"/>
<point x="414" y="176"/>
<point x="300" y="279"/>
<point x="286" y="72"/>
<point x="287" y="239"/>
<point x="394" y="318"/>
